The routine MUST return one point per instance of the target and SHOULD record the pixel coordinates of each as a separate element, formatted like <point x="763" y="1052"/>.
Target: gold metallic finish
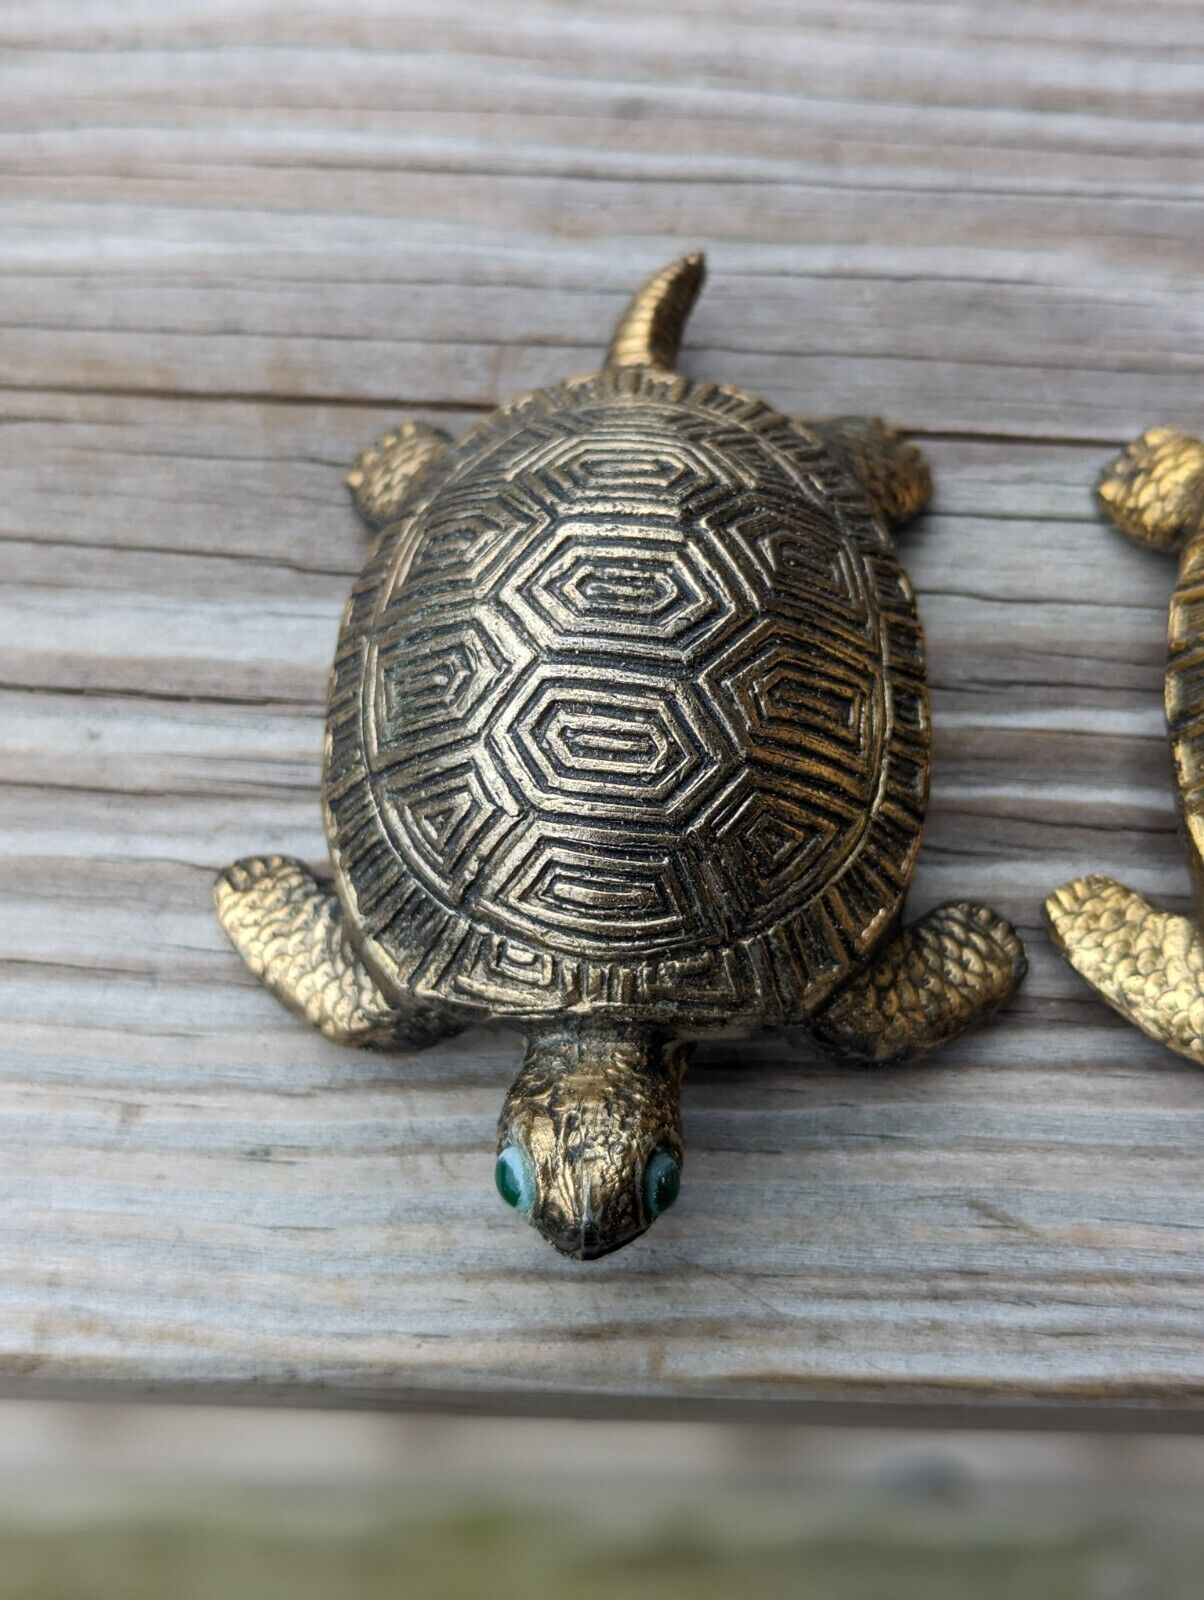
<point x="381" y="476"/>
<point x="289" y="931"/>
<point x="930" y="982"/>
<point x="1154" y="491"/>
<point x="1147" y="963"/>
<point x="892" y="472"/>
<point x="650" y="331"/>
<point x="627" y="745"/>
<point x="591" y="1105"/>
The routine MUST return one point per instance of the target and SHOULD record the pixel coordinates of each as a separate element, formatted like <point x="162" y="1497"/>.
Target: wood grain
<point x="236" y="240"/>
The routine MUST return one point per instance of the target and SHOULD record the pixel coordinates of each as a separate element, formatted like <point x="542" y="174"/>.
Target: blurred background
<point x="206" y="1504"/>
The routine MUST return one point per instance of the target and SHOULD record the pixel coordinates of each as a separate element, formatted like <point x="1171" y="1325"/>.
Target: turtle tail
<point x="650" y="330"/>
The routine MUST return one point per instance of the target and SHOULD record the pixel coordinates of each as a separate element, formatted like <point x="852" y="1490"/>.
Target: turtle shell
<point x="628" y="716"/>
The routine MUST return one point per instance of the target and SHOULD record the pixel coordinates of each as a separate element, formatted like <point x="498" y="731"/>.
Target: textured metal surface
<point x="892" y="472"/>
<point x="627" y="744"/>
<point x="591" y="1106"/>
<point x="629" y="714"/>
<point x="289" y="931"/>
<point x="929" y="983"/>
<point x="1148" y="964"/>
<point x="382" y="475"/>
<point x="650" y="330"/>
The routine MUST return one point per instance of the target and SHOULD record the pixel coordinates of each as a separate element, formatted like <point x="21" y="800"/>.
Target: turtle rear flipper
<point x="932" y="981"/>
<point x="1147" y="964"/>
<point x="381" y="476"/>
<point x="890" y="469"/>
<point x="289" y="930"/>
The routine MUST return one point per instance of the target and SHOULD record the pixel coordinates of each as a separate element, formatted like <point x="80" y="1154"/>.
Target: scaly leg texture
<point x="381" y="476"/>
<point x="1147" y="964"/>
<point x="289" y="930"/>
<point x="891" y="470"/>
<point x="1154" y="490"/>
<point x="930" y="983"/>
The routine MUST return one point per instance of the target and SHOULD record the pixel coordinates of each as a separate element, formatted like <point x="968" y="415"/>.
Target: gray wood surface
<point x="237" y="237"/>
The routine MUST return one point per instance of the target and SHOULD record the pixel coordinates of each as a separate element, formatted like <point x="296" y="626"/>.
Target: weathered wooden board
<point x="235" y="241"/>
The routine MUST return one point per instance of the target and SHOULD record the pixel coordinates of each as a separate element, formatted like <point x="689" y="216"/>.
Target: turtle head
<point x="589" y="1141"/>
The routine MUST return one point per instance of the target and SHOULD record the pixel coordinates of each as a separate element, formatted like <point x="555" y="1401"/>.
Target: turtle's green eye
<point x="662" y="1180"/>
<point x="515" y="1178"/>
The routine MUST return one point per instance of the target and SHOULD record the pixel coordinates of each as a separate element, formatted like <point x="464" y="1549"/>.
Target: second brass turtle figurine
<point x="1147" y="963"/>
<point x="627" y="746"/>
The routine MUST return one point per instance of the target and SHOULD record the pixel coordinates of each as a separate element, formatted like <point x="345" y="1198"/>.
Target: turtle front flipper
<point x="1154" y="490"/>
<point x="888" y="467"/>
<point x="931" y="982"/>
<point x="381" y="476"/>
<point x="1147" y="964"/>
<point x="289" y="930"/>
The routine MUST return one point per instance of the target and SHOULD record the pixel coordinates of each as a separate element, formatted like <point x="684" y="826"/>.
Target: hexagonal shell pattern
<point x="628" y="712"/>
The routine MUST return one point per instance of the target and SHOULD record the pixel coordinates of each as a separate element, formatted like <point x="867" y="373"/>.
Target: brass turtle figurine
<point x="1146" y="963"/>
<point x="627" y="745"/>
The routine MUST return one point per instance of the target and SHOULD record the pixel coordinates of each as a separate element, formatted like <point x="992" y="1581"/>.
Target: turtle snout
<point x="584" y="1240"/>
<point x="590" y="1209"/>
